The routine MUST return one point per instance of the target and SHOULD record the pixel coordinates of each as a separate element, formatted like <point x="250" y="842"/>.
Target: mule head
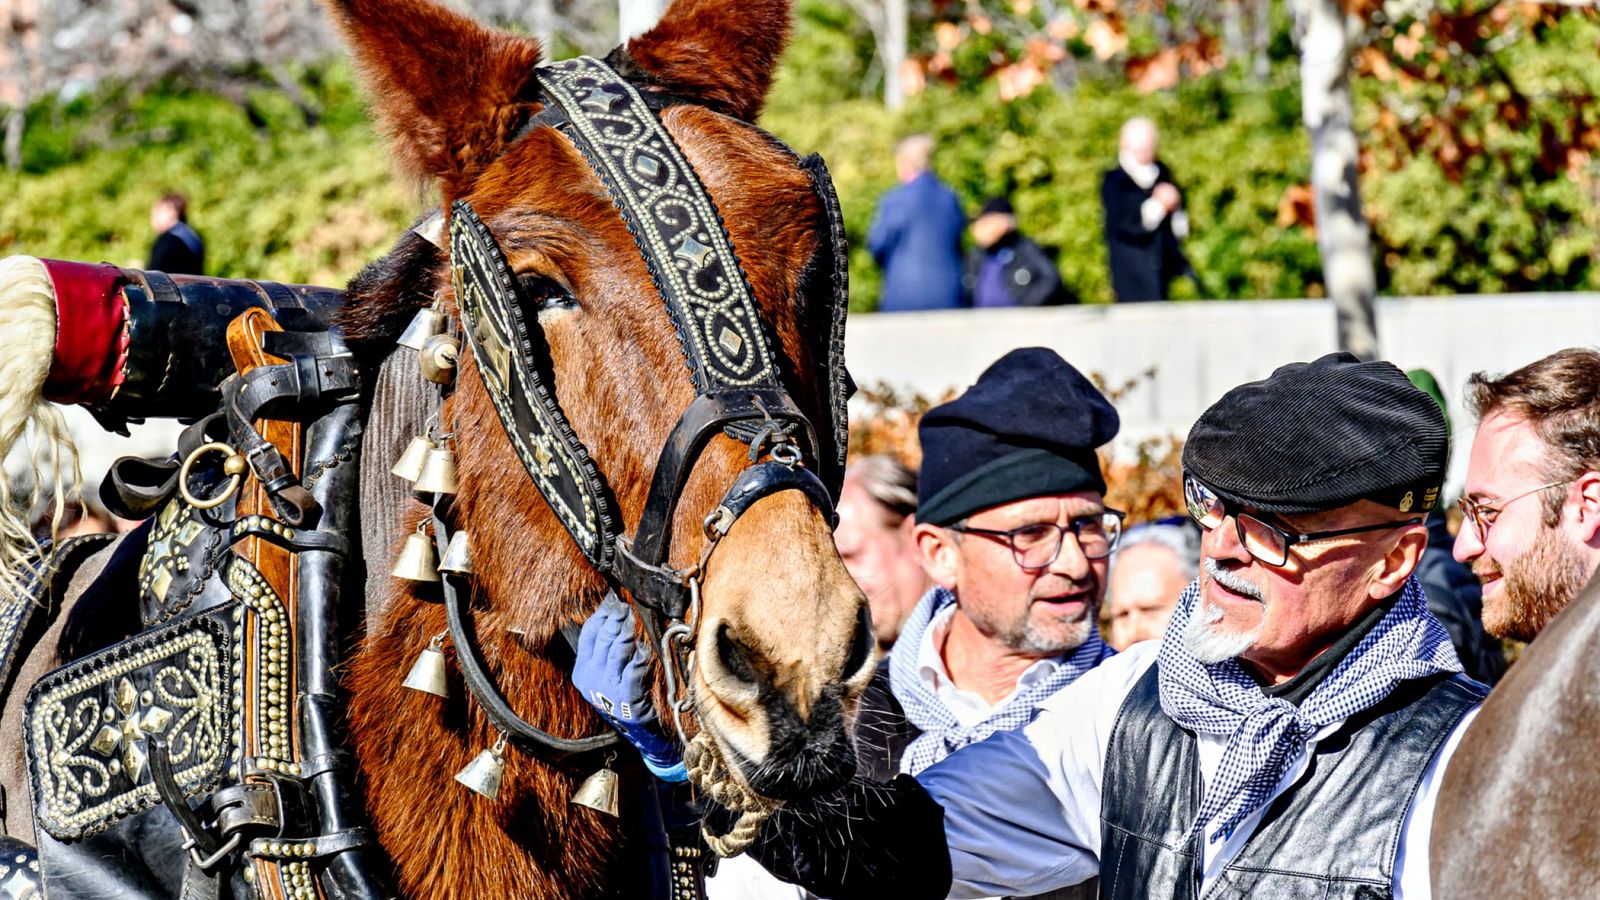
<point x="783" y="647"/>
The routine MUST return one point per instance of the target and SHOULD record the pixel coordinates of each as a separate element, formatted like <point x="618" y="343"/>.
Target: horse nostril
<point x="861" y="645"/>
<point x="735" y="656"/>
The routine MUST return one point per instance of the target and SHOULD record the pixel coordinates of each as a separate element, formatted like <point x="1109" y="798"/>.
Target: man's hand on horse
<point x="614" y="674"/>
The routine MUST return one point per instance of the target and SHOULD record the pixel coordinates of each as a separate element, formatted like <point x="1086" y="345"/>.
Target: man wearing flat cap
<point x="1286" y="738"/>
<point x="1013" y="530"/>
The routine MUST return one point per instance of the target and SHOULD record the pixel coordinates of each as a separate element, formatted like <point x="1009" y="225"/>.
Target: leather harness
<point x="230" y="695"/>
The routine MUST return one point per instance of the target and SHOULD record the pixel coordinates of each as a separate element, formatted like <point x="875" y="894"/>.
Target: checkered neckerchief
<point x="941" y="734"/>
<point x="1266" y="734"/>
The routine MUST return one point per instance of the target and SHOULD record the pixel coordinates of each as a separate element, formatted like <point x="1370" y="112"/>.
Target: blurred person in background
<point x="1454" y="596"/>
<point x="1145" y="222"/>
<point x="178" y="248"/>
<point x="1006" y="268"/>
<point x="916" y="235"/>
<point x="1152" y="565"/>
<point x="1532" y="502"/>
<point x="877" y="510"/>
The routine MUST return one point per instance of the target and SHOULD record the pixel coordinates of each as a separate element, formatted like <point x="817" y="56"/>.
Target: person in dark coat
<point x="916" y="235"/>
<point x="1005" y="268"/>
<point x="178" y="249"/>
<point x="1145" y="222"/>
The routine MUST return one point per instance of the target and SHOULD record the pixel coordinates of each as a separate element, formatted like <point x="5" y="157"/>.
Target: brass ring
<point x="183" y="476"/>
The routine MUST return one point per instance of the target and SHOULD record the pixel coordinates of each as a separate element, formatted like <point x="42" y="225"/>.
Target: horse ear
<point x="721" y="53"/>
<point x="449" y="92"/>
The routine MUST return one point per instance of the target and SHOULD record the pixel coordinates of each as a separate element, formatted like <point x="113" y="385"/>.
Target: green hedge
<point x="1234" y="152"/>
<point x="299" y="203"/>
<point x="287" y="202"/>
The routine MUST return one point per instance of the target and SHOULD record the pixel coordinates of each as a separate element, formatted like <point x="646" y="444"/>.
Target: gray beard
<point x="1208" y="642"/>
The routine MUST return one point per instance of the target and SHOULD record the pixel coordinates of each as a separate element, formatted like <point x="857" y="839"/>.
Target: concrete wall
<point x="1197" y="350"/>
<point x="1200" y="350"/>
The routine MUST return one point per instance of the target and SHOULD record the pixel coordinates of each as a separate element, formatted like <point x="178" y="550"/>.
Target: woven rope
<point x="709" y="774"/>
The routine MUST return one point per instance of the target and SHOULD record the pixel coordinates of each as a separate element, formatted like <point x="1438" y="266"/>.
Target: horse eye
<point x="545" y="293"/>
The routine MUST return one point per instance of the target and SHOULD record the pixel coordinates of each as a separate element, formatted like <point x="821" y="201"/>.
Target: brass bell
<point x="427" y="673"/>
<point x="438" y="357"/>
<point x="438" y="475"/>
<point x="416" y="557"/>
<point x="458" y="555"/>
<point x="425" y="324"/>
<point x="599" y="791"/>
<point x="482" y="775"/>
<point x="409" y="465"/>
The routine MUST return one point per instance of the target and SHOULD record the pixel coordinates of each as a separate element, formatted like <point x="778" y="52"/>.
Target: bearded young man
<point x="1013" y="530"/>
<point x="1532" y="499"/>
<point x="1287" y="736"/>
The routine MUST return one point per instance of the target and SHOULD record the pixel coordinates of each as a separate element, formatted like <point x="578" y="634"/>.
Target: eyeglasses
<point x="1038" y="545"/>
<point x="1482" y="513"/>
<point x="1264" y="540"/>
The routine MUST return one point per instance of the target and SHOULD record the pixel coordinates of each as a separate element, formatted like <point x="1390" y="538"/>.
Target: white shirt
<point x="968" y="707"/>
<point x="1003" y="840"/>
<point x="1151" y="212"/>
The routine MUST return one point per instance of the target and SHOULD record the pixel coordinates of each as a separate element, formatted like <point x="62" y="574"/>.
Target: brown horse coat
<point x="1519" y="812"/>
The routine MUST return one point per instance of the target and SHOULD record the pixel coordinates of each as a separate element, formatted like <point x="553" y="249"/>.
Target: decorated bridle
<point x="730" y="360"/>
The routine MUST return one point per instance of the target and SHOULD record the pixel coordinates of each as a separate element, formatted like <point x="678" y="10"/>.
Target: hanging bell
<point x="438" y="357"/>
<point x="599" y="791"/>
<point x="416" y="557"/>
<point x="427" y="673"/>
<point x="482" y="775"/>
<point x="409" y="465"/>
<point x="425" y="324"/>
<point x="457" y="556"/>
<point x="438" y="475"/>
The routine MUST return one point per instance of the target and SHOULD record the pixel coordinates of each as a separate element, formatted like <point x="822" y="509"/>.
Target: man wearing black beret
<point x="1286" y="738"/>
<point x="1014" y="532"/>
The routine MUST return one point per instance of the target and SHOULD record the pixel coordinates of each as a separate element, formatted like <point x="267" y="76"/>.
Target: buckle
<point x="234" y="811"/>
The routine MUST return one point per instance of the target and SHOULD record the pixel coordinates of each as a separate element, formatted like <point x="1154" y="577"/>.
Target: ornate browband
<point x="673" y="220"/>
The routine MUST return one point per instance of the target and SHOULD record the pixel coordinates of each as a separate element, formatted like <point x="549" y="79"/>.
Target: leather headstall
<point x="730" y="356"/>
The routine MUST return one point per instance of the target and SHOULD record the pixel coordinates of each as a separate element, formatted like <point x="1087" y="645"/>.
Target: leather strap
<point x="323" y="845"/>
<point x="480" y="683"/>
<point x="268" y="727"/>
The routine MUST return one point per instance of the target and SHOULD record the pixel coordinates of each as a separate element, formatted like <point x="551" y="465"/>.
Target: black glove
<point x="866" y="840"/>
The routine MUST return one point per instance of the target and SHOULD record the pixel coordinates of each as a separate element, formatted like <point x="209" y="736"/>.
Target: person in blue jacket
<point x="916" y="235"/>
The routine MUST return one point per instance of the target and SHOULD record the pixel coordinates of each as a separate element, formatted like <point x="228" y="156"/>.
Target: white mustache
<point x="1231" y="580"/>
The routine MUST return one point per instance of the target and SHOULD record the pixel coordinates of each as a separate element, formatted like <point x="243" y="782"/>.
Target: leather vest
<point x="1333" y="835"/>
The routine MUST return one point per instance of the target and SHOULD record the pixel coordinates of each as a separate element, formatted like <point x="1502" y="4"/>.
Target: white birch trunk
<point x="892" y="44"/>
<point x="16" y="122"/>
<point x="635" y="17"/>
<point x="1326" y="36"/>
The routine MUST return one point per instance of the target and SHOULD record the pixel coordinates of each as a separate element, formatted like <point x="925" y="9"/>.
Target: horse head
<point x="781" y="643"/>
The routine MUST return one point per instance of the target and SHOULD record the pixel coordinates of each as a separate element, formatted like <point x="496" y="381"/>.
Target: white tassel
<point x="28" y="334"/>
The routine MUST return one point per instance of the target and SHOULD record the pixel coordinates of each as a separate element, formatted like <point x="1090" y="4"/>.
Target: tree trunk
<point x="635" y="17"/>
<point x="1343" y="238"/>
<point x="16" y="121"/>
<point x="1233" y="37"/>
<point x="892" y="46"/>
<point x="1261" y="27"/>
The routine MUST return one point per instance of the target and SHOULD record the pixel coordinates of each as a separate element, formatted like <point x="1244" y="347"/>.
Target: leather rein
<point x="730" y="360"/>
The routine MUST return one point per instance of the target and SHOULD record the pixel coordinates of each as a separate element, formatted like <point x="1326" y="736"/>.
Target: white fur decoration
<point x="28" y="334"/>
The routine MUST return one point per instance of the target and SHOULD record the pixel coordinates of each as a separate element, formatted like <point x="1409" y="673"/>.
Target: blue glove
<point x="613" y="673"/>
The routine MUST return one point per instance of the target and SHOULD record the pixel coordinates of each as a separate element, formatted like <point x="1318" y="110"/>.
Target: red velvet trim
<point x="91" y="353"/>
